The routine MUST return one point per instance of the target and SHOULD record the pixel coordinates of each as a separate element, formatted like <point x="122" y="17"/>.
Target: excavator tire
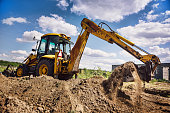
<point x="22" y="70"/>
<point x="45" y="67"/>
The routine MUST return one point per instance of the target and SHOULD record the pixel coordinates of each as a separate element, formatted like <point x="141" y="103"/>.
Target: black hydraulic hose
<point x="106" y="25"/>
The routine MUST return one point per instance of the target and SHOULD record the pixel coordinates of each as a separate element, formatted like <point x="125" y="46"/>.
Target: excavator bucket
<point x="145" y="72"/>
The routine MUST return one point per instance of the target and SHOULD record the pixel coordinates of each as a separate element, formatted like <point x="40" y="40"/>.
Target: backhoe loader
<point x="47" y="61"/>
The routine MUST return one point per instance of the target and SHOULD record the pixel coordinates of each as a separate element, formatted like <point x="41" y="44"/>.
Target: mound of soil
<point x="45" y="94"/>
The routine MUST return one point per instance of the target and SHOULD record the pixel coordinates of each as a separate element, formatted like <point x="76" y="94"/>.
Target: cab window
<point x="66" y="48"/>
<point x="42" y="46"/>
<point x="52" y="48"/>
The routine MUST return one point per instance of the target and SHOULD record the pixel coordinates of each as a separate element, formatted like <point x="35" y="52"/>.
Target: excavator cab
<point x="51" y="43"/>
<point x="45" y="61"/>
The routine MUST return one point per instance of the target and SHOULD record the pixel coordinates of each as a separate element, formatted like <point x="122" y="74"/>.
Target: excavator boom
<point x="77" y="51"/>
<point x="151" y="61"/>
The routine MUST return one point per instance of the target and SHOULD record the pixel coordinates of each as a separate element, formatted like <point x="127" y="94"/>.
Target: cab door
<point x="42" y="49"/>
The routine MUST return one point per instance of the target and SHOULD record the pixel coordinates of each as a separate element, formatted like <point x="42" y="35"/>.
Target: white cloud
<point x="18" y="58"/>
<point x="167" y="12"/>
<point x="155" y="5"/>
<point x="166" y="20"/>
<point x="147" y="34"/>
<point x="104" y="63"/>
<point x="162" y="53"/>
<point x="108" y="10"/>
<point x="57" y="24"/>
<point x="28" y="36"/>
<point x="97" y="53"/>
<point x="128" y="57"/>
<point x="62" y="4"/>
<point x="35" y="45"/>
<point x="150" y="16"/>
<point x="11" y="20"/>
<point x="3" y="55"/>
<point x="15" y="56"/>
<point x="93" y="58"/>
<point x="19" y="52"/>
<point x="125" y="54"/>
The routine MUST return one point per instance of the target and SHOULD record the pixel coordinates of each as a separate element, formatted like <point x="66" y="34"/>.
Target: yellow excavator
<point x="54" y="56"/>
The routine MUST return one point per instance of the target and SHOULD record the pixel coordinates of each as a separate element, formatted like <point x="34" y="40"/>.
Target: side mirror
<point x="33" y="49"/>
<point x="34" y="38"/>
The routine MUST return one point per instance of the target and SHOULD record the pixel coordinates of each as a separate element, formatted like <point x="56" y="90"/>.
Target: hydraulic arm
<point x="150" y="60"/>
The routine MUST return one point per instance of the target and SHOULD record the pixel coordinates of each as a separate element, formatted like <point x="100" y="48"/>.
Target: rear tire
<point x="45" y="67"/>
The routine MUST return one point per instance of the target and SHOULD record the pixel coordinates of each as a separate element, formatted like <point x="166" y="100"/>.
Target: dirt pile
<point x="45" y="94"/>
<point x="115" y="81"/>
<point x="117" y="77"/>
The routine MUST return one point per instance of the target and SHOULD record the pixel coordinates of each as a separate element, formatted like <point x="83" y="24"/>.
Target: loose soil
<point x="96" y="94"/>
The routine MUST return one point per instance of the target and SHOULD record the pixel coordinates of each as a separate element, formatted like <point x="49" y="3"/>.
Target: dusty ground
<point x="45" y="94"/>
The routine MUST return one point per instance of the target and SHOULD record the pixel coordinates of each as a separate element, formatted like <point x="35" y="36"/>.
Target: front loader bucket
<point x="9" y="71"/>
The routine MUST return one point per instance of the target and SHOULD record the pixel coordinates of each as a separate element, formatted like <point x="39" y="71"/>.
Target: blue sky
<point x="144" y="22"/>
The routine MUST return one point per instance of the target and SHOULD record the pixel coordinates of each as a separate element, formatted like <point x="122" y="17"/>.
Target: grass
<point x="6" y="63"/>
<point x="159" y="80"/>
<point x="88" y="73"/>
<point x="2" y="68"/>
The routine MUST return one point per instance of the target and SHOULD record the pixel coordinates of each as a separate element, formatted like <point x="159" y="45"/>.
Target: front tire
<point x="45" y="67"/>
<point x="22" y="70"/>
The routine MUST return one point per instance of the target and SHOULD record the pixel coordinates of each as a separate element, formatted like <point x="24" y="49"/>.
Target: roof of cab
<point x="60" y="35"/>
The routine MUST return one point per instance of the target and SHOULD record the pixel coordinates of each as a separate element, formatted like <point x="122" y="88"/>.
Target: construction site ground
<point x="46" y="94"/>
